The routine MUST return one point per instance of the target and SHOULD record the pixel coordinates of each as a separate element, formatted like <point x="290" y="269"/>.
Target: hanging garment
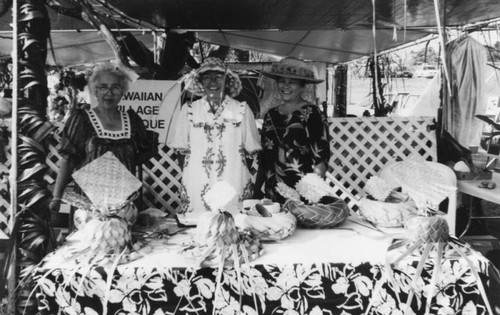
<point x="466" y="59"/>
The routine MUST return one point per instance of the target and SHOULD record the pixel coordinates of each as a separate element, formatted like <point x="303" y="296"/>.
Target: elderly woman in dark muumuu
<point x="90" y="133"/>
<point x="294" y="134"/>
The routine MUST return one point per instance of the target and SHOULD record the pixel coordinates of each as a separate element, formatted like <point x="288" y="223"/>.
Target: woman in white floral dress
<point x="214" y="137"/>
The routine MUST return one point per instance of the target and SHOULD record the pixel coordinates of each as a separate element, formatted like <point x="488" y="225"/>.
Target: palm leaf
<point x="35" y="196"/>
<point x="29" y="12"/>
<point x="30" y="143"/>
<point x="489" y="121"/>
<point x="29" y="157"/>
<point x="32" y="230"/>
<point x="37" y="170"/>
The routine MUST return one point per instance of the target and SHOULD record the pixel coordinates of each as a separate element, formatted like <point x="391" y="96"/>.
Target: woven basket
<point x="266" y="230"/>
<point x="318" y="216"/>
<point x="387" y="214"/>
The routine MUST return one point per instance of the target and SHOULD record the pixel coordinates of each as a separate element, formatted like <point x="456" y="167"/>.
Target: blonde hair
<point x="108" y="68"/>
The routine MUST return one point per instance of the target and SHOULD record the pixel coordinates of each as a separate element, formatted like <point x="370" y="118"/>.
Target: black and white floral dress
<point x="291" y="146"/>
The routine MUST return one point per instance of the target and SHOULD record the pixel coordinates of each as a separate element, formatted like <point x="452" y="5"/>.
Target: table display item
<point x="188" y="219"/>
<point x="385" y="206"/>
<point x="425" y="182"/>
<point x="392" y="212"/>
<point x="428" y="237"/>
<point x="218" y="241"/>
<point x="107" y="182"/>
<point x="313" y="203"/>
<point x="265" y="219"/>
<point x="402" y="190"/>
<point x="105" y="213"/>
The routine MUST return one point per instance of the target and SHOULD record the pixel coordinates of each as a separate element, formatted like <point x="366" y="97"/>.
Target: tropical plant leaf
<point x="28" y="73"/>
<point x="36" y="232"/>
<point x="9" y="258"/>
<point x="31" y="84"/>
<point x="35" y="196"/>
<point x="26" y="109"/>
<point x="29" y="12"/>
<point x="29" y="254"/>
<point x="30" y="157"/>
<point x="35" y="145"/>
<point x="33" y="128"/>
<point x="489" y="121"/>
<point x="37" y="170"/>
<point x="28" y="42"/>
<point x="43" y="130"/>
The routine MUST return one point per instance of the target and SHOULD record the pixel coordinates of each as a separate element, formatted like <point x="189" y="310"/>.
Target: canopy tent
<point x="333" y="31"/>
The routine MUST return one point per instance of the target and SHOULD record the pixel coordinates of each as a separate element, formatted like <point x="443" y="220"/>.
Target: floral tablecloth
<point x="292" y="277"/>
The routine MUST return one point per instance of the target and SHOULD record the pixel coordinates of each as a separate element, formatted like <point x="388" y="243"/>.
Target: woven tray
<point x="318" y="216"/>
<point x="275" y="228"/>
<point x="387" y="214"/>
<point x="106" y="181"/>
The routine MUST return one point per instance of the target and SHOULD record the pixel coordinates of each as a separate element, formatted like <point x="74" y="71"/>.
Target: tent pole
<point x="11" y="286"/>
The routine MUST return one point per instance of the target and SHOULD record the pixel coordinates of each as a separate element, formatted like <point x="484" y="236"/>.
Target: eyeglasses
<point x="114" y="89"/>
<point x="212" y="77"/>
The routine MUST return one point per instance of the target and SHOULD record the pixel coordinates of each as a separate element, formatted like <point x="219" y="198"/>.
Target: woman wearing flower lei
<point x="213" y="137"/>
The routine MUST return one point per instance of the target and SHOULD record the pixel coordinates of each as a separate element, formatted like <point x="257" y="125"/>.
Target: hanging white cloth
<point x="466" y="60"/>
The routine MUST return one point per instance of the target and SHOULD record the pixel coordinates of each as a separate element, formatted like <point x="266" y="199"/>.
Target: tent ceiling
<point x="303" y="14"/>
<point x="321" y="30"/>
<point x="76" y="48"/>
<point x="332" y="46"/>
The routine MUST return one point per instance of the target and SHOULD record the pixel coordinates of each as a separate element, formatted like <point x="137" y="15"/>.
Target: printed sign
<point x="154" y="101"/>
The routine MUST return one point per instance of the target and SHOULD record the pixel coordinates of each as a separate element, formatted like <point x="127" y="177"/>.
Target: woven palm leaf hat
<point x="193" y="82"/>
<point x="293" y="68"/>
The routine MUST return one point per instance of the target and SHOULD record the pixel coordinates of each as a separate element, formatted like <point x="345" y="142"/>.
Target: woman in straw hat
<point x="213" y="136"/>
<point x="294" y="133"/>
<point x="90" y="133"/>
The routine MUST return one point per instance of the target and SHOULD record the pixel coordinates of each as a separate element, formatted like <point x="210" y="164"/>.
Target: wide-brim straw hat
<point x="193" y="82"/>
<point x="293" y="68"/>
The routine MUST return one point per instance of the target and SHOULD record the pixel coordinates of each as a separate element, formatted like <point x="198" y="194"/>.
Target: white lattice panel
<point x="362" y="146"/>
<point x="161" y="178"/>
<point x="53" y="158"/>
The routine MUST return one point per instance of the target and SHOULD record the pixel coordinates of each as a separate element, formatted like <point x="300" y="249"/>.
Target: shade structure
<point x="332" y="46"/>
<point x="332" y="31"/>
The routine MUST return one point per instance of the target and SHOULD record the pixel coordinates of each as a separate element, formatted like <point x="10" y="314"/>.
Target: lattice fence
<point x="362" y="146"/>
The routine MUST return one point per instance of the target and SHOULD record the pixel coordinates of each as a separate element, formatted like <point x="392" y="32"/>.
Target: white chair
<point x="432" y="181"/>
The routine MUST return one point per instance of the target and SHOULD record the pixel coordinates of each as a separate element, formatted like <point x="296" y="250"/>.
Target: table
<point x="471" y="187"/>
<point x="331" y="271"/>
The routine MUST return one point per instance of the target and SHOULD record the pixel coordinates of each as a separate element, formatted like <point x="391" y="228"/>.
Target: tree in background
<point x="494" y="53"/>
<point x="426" y="55"/>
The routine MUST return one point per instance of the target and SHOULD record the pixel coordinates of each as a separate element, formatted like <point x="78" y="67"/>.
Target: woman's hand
<point x="320" y="169"/>
<point x="257" y="194"/>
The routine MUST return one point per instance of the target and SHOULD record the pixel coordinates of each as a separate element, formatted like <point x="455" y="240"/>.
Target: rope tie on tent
<point x="404" y="21"/>
<point x="443" y="50"/>
<point x="375" y="57"/>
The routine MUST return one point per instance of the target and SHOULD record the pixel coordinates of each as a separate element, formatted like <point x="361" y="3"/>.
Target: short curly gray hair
<point x="108" y="68"/>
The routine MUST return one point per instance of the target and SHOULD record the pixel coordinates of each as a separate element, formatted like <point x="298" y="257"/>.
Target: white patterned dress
<point x="216" y="147"/>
